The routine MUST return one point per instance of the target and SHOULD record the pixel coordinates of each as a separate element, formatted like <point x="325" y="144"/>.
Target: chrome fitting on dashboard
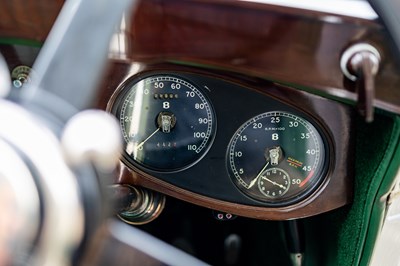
<point x="146" y="205"/>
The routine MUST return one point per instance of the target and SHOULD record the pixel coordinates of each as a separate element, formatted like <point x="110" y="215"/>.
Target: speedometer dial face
<point x="277" y="157"/>
<point x="168" y="124"/>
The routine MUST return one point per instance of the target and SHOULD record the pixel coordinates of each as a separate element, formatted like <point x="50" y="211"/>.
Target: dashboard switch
<point x="360" y="63"/>
<point x="223" y="216"/>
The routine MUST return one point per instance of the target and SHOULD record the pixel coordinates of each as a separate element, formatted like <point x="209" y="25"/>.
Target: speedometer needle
<point x="144" y="141"/>
<point x="259" y="174"/>
<point x="274" y="183"/>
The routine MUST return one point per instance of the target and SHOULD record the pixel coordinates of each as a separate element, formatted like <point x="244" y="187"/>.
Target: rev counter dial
<point x="167" y="122"/>
<point x="277" y="157"/>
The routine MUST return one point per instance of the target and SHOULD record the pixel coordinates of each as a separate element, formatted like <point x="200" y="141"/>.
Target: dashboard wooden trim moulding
<point x="286" y="44"/>
<point x="334" y="192"/>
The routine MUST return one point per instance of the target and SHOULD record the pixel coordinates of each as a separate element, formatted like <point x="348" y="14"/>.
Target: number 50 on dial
<point x="277" y="157"/>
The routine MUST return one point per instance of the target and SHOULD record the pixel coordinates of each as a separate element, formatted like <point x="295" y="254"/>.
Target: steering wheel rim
<point x="45" y="97"/>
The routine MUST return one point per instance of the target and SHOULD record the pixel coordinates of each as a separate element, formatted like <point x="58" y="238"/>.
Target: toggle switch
<point x="360" y="63"/>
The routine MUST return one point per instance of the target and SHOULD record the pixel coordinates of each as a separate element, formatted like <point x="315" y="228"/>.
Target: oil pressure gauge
<point x="167" y="122"/>
<point x="277" y="157"/>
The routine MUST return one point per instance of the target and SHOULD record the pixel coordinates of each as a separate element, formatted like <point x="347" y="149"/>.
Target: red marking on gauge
<point x="307" y="178"/>
<point x="295" y="163"/>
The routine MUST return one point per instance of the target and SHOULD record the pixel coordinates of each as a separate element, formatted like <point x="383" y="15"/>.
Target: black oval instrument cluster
<point x="219" y="139"/>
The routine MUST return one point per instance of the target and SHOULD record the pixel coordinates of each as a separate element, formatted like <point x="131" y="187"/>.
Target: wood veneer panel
<point x="28" y="19"/>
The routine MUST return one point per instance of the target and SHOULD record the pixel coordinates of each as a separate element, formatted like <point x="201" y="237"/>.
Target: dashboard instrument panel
<point x="167" y="123"/>
<point x="309" y="54"/>
<point x="277" y="160"/>
<point x="225" y="103"/>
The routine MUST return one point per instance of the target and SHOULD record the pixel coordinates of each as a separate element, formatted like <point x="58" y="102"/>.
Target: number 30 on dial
<point x="277" y="158"/>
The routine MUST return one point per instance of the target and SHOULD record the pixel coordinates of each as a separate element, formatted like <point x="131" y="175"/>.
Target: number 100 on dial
<point x="167" y="122"/>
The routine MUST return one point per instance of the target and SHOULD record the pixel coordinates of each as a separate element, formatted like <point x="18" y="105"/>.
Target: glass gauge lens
<point x="167" y="122"/>
<point x="277" y="157"/>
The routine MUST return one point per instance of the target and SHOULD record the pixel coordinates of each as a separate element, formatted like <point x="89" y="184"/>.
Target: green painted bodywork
<point x="377" y="209"/>
<point x="23" y="42"/>
<point x="347" y="236"/>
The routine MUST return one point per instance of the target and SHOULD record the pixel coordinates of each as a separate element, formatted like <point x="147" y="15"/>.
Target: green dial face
<point x="277" y="157"/>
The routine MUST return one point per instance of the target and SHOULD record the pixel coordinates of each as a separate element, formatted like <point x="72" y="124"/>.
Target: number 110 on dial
<point x="167" y="122"/>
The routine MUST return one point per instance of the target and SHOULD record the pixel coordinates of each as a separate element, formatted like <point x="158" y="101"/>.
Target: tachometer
<point x="277" y="157"/>
<point x="167" y="122"/>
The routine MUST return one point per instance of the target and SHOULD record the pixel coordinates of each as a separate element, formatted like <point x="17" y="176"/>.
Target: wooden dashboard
<point x="207" y="183"/>
<point x="287" y="54"/>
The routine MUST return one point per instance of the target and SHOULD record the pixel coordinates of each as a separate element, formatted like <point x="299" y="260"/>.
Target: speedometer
<point x="167" y="122"/>
<point x="277" y="157"/>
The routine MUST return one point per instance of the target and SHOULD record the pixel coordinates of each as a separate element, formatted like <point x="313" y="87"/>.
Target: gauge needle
<point x="259" y="174"/>
<point x="144" y="141"/>
<point x="272" y="182"/>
